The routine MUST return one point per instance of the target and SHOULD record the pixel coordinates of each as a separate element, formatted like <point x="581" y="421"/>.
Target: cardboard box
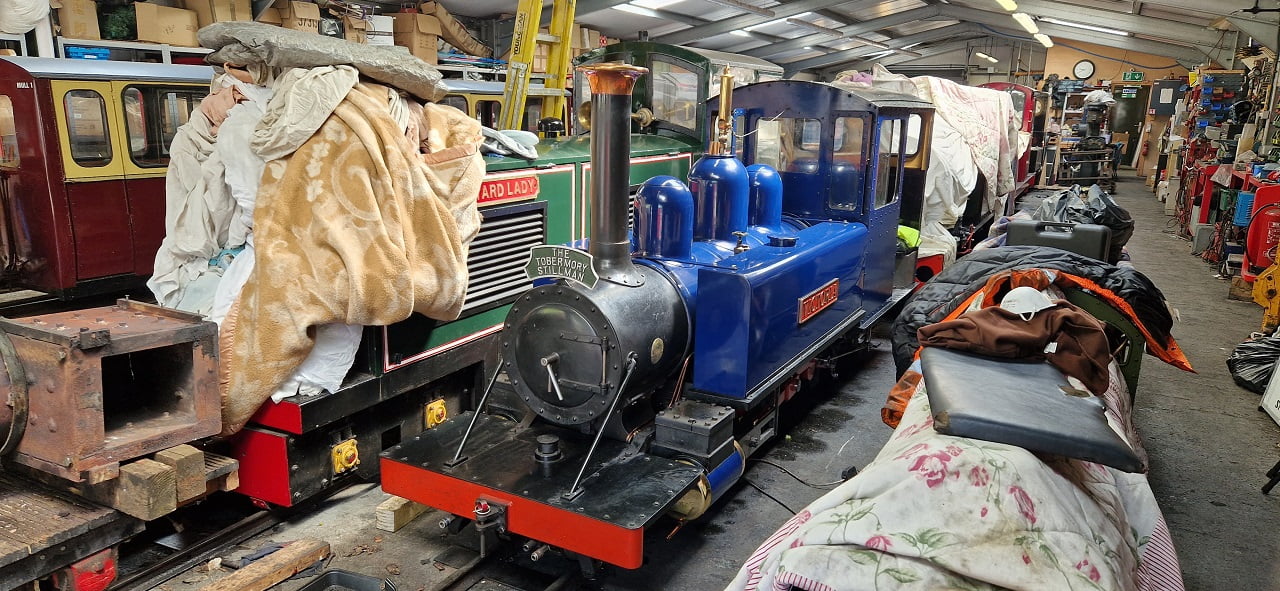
<point x="161" y="24"/>
<point x="380" y="30"/>
<point x="270" y="16"/>
<point x="219" y="11"/>
<point x="299" y="16"/>
<point x="453" y="31"/>
<point x="419" y="33"/>
<point x="354" y="29"/>
<point x="1240" y="290"/>
<point x="541" y="56"/>
<point x="78" y="18"/>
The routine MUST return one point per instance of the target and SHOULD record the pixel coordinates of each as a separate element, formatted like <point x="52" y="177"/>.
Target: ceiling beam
<point x="589" y="6"/>
<point x="1007" y="26"/>
<point x="897" y="59"/>
<point x="874" y="24"/>
<point x="746" y="20"/>
<point x="1209" y="9"/>
<point x="1263" y="32"/>
<point x="692" y="21"/>
<point x="857" y="53"/>
<point x="1165" y="29"/>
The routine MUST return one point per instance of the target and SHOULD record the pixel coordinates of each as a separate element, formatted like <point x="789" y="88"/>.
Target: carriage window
<point x="152" y="117"/>
<point x="8" y="134"/>
<point x="889" y="163"/>
<point x="87" y="128"/>
<point x="789" y="145"/>
<point x="133" y="123"/>
<point x="675" y="94"/>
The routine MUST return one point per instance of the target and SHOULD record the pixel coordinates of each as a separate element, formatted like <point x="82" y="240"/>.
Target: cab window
<point x="913" y="135"/>
<point x="456" y="101"/>
<point x="889" y="162"/>
<point x="8" y="134"/>
<point x="532" y="113"/>
<point x="675" y="93"/>
<point x="789" y="145"/>
<point x="849" y="158"/>
<point x="87" y="132"/>
<point x="487" y="112"/>
<point x="152" y="116"/>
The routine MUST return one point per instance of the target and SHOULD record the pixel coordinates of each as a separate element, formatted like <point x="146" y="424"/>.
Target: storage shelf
<point x="165" y="50"/>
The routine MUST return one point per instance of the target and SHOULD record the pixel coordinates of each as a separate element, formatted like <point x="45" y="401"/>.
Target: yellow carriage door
<point x="88" y="131"/>
<point x="149" y="116"/>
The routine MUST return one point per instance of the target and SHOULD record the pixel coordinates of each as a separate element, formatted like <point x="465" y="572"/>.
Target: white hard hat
<point x="1025" y="301"/>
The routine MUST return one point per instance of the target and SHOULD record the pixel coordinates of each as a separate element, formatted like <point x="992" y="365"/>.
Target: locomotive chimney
<point x="611" y="85"/>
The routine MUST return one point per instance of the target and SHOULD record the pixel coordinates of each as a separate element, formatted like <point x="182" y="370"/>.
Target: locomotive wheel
<point x="13" y="397"/>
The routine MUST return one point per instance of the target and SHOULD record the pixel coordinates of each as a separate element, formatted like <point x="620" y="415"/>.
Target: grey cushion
<point x="1026" y="404"/>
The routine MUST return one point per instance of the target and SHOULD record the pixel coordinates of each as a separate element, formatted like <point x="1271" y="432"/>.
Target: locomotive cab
<point x="852" y="155"/>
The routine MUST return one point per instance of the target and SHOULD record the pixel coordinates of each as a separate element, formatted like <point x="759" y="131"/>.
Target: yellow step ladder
<point x="524" y="42"/>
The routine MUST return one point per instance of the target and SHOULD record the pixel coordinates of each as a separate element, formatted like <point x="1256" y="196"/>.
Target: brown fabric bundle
<point x="1082" y="350"/>
<point x="357" y="226"/>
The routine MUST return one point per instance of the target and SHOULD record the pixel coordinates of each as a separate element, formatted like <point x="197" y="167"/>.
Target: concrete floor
<point x="1209" y="447"/>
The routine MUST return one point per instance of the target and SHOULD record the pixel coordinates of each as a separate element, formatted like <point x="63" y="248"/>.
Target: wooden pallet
<point x="42" y="530"/>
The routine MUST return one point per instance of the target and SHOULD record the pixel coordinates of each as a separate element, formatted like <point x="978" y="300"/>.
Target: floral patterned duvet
<point x="940" y="512"/>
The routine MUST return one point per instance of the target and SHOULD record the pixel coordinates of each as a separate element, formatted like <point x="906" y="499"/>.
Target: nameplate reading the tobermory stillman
<point x="818" y="300"/>
<point x="508" y="189"/>
<point x="561" y="262"/>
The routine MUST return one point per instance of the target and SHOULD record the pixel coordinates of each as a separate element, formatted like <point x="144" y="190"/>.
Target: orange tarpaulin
<point x="1000" y="283"/>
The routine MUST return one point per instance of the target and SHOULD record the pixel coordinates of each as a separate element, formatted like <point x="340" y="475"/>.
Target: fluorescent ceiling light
<point x="878" y="54"/>
<point x="635" y="10"/>
<point x="909" y="52"/>
<point x="1009" y="5"/>
<point x="819" y="28"/>
<point x="655" y="4"/>
<point x="1027" y="22"/>
<point x="871" y="43"/>
<point x="740" y="33"/>
<point x="1044" y="40"/>
<point x="744" y="6"/>
<point x="986" y="57"/>
<point x="1084" y="26"/>
<point x="766" y="24"/>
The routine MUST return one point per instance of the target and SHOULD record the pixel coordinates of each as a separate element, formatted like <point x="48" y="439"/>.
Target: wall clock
<point x="1083" y="70"/>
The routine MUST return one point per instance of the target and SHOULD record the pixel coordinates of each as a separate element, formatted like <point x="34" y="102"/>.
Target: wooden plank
<point x="396" y="512"/>
<point x="188" y="465"/>
<point x="275" y="567"/>
<point x="146" y="489"/>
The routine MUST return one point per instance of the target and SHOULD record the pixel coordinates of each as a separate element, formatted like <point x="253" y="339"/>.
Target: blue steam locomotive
<point x="637" y="382"/>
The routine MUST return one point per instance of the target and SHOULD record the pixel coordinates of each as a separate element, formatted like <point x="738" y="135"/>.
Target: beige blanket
<point x="358" y="227"/>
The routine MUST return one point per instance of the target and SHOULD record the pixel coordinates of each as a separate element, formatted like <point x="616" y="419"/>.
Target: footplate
<point x="624" y="492"/>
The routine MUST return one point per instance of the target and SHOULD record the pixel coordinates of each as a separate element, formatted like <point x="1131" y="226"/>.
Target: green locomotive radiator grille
<point x="498" y="256"/>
